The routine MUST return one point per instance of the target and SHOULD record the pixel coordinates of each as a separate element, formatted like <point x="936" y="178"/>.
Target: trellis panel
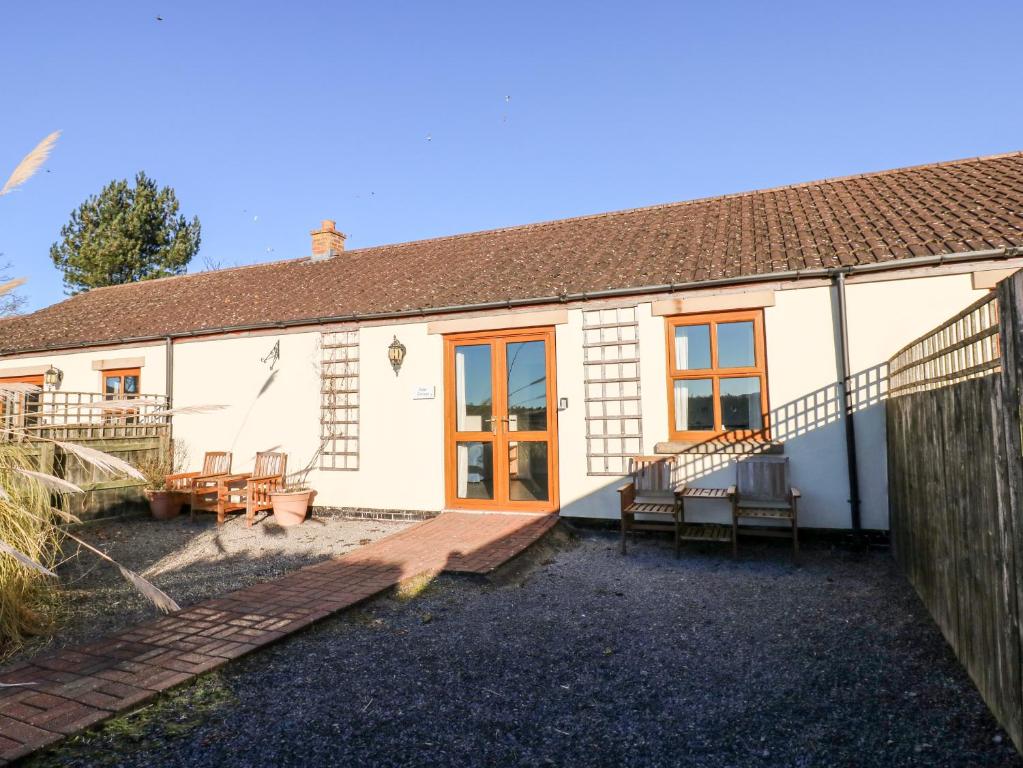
<point x="614" y="419"/>
<point x="339" y="400"/>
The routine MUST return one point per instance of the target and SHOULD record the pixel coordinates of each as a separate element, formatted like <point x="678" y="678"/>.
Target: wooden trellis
<point x="339" y="400"/>
<point x="614" y="427"/>
<point x="963" y="347"/>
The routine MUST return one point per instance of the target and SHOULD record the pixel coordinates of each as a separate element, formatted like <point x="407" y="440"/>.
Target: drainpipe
<point x="850" y="424"/>
<point x="168" y="346"/>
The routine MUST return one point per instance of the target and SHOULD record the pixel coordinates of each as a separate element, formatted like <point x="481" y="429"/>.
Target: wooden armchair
<point x="763" y="491"/>
<point x="650" y="492"/>
<point x="249" y="491"/>
<point x="214" y="463"/>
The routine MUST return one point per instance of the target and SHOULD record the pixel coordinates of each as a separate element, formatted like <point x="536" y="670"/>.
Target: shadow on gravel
<point x="573" y="655"/>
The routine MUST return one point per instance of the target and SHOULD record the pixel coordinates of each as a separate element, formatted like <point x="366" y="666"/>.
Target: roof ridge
<point x="594" y="216"/>
<point x="697" y="200"/>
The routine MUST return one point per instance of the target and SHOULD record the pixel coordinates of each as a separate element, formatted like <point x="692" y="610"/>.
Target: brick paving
<point x="77" y="688"/>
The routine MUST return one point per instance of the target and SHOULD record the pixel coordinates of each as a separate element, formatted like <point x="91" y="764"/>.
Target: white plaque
<point x="424" y="392"/>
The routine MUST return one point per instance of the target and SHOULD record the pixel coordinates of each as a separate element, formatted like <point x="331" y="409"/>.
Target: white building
<point x="538" y="359"/>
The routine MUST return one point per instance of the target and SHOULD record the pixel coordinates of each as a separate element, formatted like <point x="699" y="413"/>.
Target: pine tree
<point x="124" y="234"/>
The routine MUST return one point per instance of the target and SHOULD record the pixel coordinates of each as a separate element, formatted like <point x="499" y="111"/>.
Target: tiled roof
<point x="965" y="205"/>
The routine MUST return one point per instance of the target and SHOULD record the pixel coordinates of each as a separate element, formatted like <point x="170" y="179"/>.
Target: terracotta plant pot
<point x="290" y="507"/>
<point x="165" y="505"/>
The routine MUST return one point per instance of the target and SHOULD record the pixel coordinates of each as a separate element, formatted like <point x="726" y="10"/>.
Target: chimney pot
<point x="327" y="241"/>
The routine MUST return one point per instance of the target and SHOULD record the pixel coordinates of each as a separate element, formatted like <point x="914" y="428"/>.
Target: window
<point x="716" y="375"/>
<point x="121" y="383"/>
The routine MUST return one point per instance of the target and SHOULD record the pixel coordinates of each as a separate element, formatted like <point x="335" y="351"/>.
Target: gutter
<point x="770" y="277"/>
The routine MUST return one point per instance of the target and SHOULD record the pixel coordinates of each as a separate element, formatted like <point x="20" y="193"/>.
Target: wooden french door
<point x="501" y="436"/>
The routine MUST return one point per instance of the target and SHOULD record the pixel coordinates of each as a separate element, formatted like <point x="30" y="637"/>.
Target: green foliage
<point x="124" y="234"/>
<point x="26" y="523"/>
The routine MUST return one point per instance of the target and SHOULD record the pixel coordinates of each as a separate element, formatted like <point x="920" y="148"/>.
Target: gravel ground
<point x="580" y="657"/>
<point x="189" y="561"/>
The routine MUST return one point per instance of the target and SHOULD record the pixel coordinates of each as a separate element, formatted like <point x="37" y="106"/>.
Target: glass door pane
<point x="474" y="395"/>
<point x="528" y="471"/>
<point x="475" y="478"/>
<point x="527" y="386"/>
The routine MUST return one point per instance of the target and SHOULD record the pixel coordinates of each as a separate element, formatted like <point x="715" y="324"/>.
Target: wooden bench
<point x="648" y="493"/>
<point x="763" y="491"/>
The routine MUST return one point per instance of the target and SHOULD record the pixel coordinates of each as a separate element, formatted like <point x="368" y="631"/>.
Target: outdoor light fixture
<point x="53" y="377"/>
<point x="396" y="354"/>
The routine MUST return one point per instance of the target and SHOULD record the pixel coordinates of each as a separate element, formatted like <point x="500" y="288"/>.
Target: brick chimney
<point x="327" y="241"/>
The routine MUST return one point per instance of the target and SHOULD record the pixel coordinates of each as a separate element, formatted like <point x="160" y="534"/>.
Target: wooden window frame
<point x="120" y="373"/>
<point x="715" y="374"/>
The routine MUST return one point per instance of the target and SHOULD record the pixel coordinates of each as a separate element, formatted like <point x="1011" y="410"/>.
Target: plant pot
<point x="165" y="505"/>
<point x="290" y="507"/>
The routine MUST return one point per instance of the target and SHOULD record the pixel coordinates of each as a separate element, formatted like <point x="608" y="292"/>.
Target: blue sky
<point x="406" y="120"/>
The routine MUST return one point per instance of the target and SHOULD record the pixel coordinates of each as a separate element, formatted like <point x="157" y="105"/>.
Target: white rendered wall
<point x="402" y="438"/>
<point x="883" y="318"/>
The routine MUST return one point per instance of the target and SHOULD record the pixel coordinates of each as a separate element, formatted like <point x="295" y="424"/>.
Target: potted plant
<point x="164" y="503"/>
<point x="291" y="503"/>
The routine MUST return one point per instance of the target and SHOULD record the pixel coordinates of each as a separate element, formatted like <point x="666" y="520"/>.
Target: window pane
<point x="475" y="470"/>
<point x="740" y="403"/>
<point x="527" y="386"/>
<point x="112" y="385"/>
<point x="735" y="345"/>
<point x="131" y="385"/>
<point x="694" y="405"/>
<point x="692" y="347"/>
<point x="473" y="396"/>
<point x="527" y="471"/>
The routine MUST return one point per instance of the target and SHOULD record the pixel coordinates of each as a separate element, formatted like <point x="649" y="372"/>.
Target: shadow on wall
<point x="789" y="423"/>
<point x="810" y="431"/>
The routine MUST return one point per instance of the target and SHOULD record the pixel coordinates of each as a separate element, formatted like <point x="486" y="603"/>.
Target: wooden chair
<point x="763" y="491"/>
<point x="214" y="463"/>
<point x="250" y="491"/>
<point x="649" y="493"/>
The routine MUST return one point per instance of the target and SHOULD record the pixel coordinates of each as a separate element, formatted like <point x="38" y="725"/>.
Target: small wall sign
<point x="424" y="392"/>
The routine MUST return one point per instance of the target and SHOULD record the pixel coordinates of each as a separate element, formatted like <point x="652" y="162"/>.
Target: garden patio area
<point x="190" y="560"/>
<point x="575" y="655"/>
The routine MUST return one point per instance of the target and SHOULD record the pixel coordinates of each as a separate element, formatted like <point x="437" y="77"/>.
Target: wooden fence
<point x="136" y="431"/>
<point x="955" y="475"/>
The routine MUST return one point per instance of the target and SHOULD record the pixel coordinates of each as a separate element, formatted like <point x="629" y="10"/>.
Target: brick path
<point x="78" y="688"/>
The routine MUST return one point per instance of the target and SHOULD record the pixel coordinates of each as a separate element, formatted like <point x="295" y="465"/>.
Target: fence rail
<point x="28" y="412"/>
<point x="961" y="348"/>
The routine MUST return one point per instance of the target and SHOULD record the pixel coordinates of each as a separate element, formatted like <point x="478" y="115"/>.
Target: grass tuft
<point x="27" y="599"/>
<point x="412" y="588"/>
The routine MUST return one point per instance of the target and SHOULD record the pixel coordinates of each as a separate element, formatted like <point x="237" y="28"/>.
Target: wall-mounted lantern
<point x="396" y="354"/>
<point x="53" y="377"/>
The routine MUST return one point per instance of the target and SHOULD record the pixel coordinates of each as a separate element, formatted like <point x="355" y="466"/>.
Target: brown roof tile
<point x="951" y="207"/>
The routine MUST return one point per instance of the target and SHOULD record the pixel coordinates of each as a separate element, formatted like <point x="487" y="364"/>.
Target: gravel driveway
<point x="190" y="561"/>
<point x="587" y="658"/>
